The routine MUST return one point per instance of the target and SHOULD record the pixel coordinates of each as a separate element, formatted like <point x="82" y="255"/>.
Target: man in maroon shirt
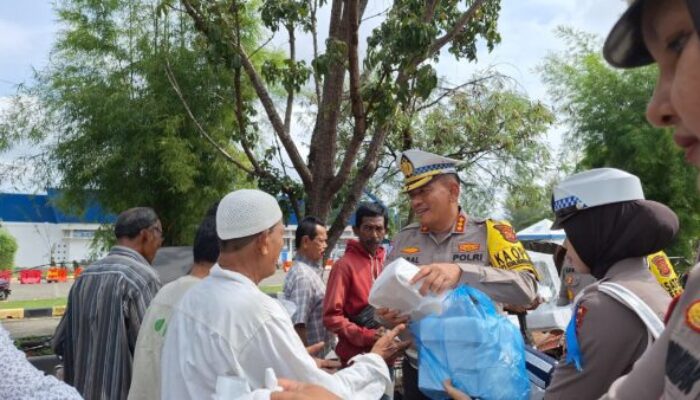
<point x="346" y="311"/>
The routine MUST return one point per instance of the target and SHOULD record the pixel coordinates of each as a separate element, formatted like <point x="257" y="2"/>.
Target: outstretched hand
<point x="328" y="365"/>
<point x="389" y="346"/>
<point x="391" y="318"/>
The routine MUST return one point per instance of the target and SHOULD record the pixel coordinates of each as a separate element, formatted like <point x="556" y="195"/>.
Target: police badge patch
<point x="507" y="232"/>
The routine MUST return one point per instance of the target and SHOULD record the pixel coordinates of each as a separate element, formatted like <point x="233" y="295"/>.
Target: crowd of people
<point x="215" y="334"/>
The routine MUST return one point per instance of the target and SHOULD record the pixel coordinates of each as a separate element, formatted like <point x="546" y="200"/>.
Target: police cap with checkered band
<point x="420" y="167"/>
<point x="592" y="188"/>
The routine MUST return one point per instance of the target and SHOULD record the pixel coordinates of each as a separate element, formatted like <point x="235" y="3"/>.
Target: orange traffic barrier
<point x="57" y="274"/>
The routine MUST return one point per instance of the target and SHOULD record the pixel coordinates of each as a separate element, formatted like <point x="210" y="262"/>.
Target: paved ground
<point x="46" y="326"/>
<point x="39" y="291"/>
<point x="31" y="327"/>
<point x="61" y="289"/>
<point x="276" y="279"/>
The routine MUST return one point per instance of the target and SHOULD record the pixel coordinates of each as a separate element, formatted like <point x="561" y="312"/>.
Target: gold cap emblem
<point x="406" y="166"/>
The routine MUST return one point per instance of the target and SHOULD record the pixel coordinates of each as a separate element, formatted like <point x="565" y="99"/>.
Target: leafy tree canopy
<point x="605" y="111"/>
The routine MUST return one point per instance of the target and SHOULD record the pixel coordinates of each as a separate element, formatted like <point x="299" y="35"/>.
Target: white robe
<point x="225" y="326"/>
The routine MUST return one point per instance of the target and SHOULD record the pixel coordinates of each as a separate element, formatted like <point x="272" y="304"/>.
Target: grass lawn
<point x="61" y="301"/>
<point x="272" y="289"/>
<point x="40" y="303"/>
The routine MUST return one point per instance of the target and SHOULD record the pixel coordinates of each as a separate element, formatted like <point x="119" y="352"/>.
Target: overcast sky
<point x="28" y="29"/>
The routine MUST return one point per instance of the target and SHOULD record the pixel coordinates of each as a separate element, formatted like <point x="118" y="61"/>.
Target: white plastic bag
<point x="393" y="290"/>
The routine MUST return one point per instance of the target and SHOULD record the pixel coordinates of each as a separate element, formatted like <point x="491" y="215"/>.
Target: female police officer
<point x="610" y="229"/>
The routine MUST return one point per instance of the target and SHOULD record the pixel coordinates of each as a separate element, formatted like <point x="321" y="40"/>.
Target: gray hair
<point x="132" y="221"/>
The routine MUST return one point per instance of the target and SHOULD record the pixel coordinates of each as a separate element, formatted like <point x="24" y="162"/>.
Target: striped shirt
<point x="304" y="286"/>
<point x="98" y="332"/>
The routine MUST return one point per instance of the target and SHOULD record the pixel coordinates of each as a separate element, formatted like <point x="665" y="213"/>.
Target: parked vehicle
<point x="4" y="289"/>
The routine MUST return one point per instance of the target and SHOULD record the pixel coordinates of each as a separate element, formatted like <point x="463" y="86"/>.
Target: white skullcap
<point x="246" y="212"/>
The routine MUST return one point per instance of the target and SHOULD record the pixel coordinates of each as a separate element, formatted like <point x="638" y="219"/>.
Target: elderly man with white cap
<point x="225" y="332"/>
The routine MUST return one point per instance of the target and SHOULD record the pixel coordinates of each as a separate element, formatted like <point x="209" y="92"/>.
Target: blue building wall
<point x="15" y="207"/>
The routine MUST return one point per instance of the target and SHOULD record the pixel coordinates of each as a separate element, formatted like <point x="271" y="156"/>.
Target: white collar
<point x="217" y="272"/>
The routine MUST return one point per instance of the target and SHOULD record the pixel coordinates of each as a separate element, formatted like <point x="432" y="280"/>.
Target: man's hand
<point x="315" y="348"/>
<point x="327" y="365"/>
<point x="294" y="390"/>
<point x="389" y="346"/>
<point x="437" y="278"/>
<point x="379" y="332"/>
<point x="453" y="392"/>
<point x="391" y="318"/>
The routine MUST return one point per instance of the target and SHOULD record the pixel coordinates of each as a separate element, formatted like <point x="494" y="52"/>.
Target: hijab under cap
<point x="606" y="234"/>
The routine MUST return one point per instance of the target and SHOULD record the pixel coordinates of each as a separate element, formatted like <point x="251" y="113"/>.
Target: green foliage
<point x="605" y="109"/>
<point x="119" y="132"/>
<point x="528" y="203"/>
<point x="406" y="38"/>
<point x="495" y="130"/>
<point x="8" y="249"/>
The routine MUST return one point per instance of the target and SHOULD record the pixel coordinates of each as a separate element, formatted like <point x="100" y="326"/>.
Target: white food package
<point x="393" y="290"/>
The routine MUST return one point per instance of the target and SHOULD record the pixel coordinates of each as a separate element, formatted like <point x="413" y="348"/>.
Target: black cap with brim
<point x="624" y="47"/>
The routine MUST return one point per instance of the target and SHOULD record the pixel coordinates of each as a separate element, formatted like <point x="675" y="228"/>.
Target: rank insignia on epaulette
<point x="461" y="222"/>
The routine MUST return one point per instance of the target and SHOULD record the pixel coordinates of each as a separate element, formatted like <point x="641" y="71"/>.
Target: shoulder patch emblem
<point x="569" y="280"/>
<point x="580" y="314"/>
<point x="692" y="316"/>
<point x="662" y="265"/>
<point x="410" y="250"/>
<point x="468" y="247"/>
<point x="507" y="232"/>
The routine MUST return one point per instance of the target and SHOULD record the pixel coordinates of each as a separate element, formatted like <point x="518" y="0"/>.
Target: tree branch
<point x="262" y="46"/>
<point x="429" y="10"/>
<point x="452" y="90"/>
<point x="275" y="120"/>
<point x="313" y="6"/>
<point x="438" y="43"/>
<point x="263" y="95"/>
<point x="461" y="22"/>
<point x="290" y="91"/>
<point x="323" y="146"/>
<point x="358" y="109"/>
<point x="366" y="170"/>
<point x="200" y="129"/>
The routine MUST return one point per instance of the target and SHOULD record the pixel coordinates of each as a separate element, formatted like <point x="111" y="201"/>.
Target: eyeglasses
<point x="157" y="229"/>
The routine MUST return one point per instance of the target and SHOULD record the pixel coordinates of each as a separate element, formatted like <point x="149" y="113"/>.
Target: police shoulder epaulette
<point x="478" y="221"/>
<point x="410" y="227"/>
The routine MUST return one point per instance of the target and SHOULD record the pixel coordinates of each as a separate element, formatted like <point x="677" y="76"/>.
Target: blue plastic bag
<point x="478" y="349"/>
